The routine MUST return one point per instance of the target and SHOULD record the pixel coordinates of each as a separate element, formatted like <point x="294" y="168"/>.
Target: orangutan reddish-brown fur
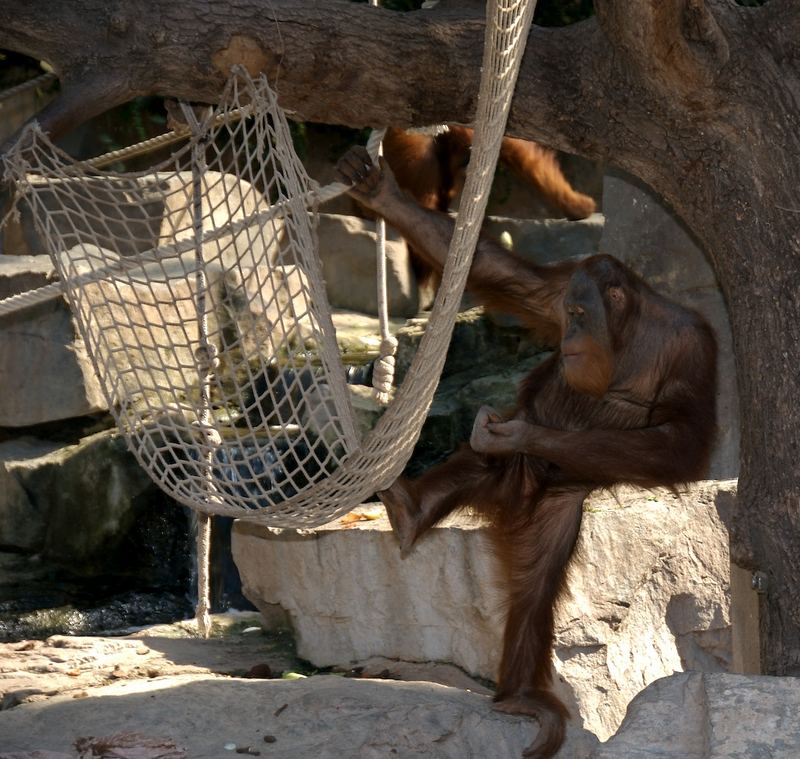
<point x="628" y="396"/>
<point x="432" y="169"/>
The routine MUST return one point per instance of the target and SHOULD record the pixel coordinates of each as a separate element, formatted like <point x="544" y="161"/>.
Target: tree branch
<point x="332" y="62"/>
<point x="347" y="63"/>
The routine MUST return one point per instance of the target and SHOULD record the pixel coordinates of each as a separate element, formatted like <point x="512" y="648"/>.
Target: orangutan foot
<point x="402" y="511"/>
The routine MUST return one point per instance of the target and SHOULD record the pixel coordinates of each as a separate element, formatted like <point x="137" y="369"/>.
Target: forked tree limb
<point x="616" y="87"/>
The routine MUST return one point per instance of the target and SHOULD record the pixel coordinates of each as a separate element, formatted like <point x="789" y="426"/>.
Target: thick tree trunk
<point x="757" y="261"/>
<point x="701" y="100"/>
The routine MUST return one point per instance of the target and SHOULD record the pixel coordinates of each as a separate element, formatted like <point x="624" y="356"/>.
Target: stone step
<point x="324" y="717"/>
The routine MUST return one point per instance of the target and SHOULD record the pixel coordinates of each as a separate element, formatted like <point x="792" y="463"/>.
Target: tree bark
<point x="699" y="99"/>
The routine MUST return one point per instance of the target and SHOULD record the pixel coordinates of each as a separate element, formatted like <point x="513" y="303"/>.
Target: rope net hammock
<point x="197" y="288"/>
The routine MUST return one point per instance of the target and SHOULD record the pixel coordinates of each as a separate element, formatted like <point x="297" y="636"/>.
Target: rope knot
<point x="383" y="371"/>
<point x="207" y="359"/>
<point x="210" y="435"/>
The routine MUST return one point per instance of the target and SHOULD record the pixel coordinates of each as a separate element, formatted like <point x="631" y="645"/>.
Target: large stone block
<point x="348" y="253"/>
<point x="145" y="320"/>
<point x="225" y="199"/>
<point x="142" y="327"/>
<point x="142" y="330"/>
<point x="351" y="596"/>
<point x="545" y="241"/>
<point x="648" y="595"/>
<point x="45" y="371"/>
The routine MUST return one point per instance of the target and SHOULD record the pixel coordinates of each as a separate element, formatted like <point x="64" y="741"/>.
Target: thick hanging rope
<point x="202" y="612"/>
<point x="383" y="369"/>
<point x="30" y="84"/>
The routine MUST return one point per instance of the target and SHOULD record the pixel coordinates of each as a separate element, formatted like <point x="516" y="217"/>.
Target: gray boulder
<point x="348" y="254"/>
<point x="478" y="345"/>
<point x="710" y="716"/>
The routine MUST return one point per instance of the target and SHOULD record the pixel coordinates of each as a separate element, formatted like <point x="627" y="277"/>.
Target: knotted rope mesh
<point x="198" y="290"/>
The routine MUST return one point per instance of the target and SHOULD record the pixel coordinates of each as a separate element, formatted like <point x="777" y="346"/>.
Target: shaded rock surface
<point x="192" y="693"/>
<point x="215" y="698"/>
<point x="87" y="540"/>
<point x="648" y="595"/>
<point x="23" y="522"/>
<point x="486" y="361"/>
<point x="327" y="717"/>
<point x="65" y="606"/>
<point x="76" y="503"/>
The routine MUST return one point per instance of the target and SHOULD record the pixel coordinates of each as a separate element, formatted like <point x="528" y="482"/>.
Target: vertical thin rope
<point x="202" y="611"/>
<point x="383" y="372"/>
<point x="205" y="356"/>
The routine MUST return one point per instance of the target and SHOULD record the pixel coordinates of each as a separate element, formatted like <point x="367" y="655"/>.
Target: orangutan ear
<point x="617" y="296"/>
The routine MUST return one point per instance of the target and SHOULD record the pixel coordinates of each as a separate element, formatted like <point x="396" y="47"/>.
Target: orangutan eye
<point x="574" y="310"/>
